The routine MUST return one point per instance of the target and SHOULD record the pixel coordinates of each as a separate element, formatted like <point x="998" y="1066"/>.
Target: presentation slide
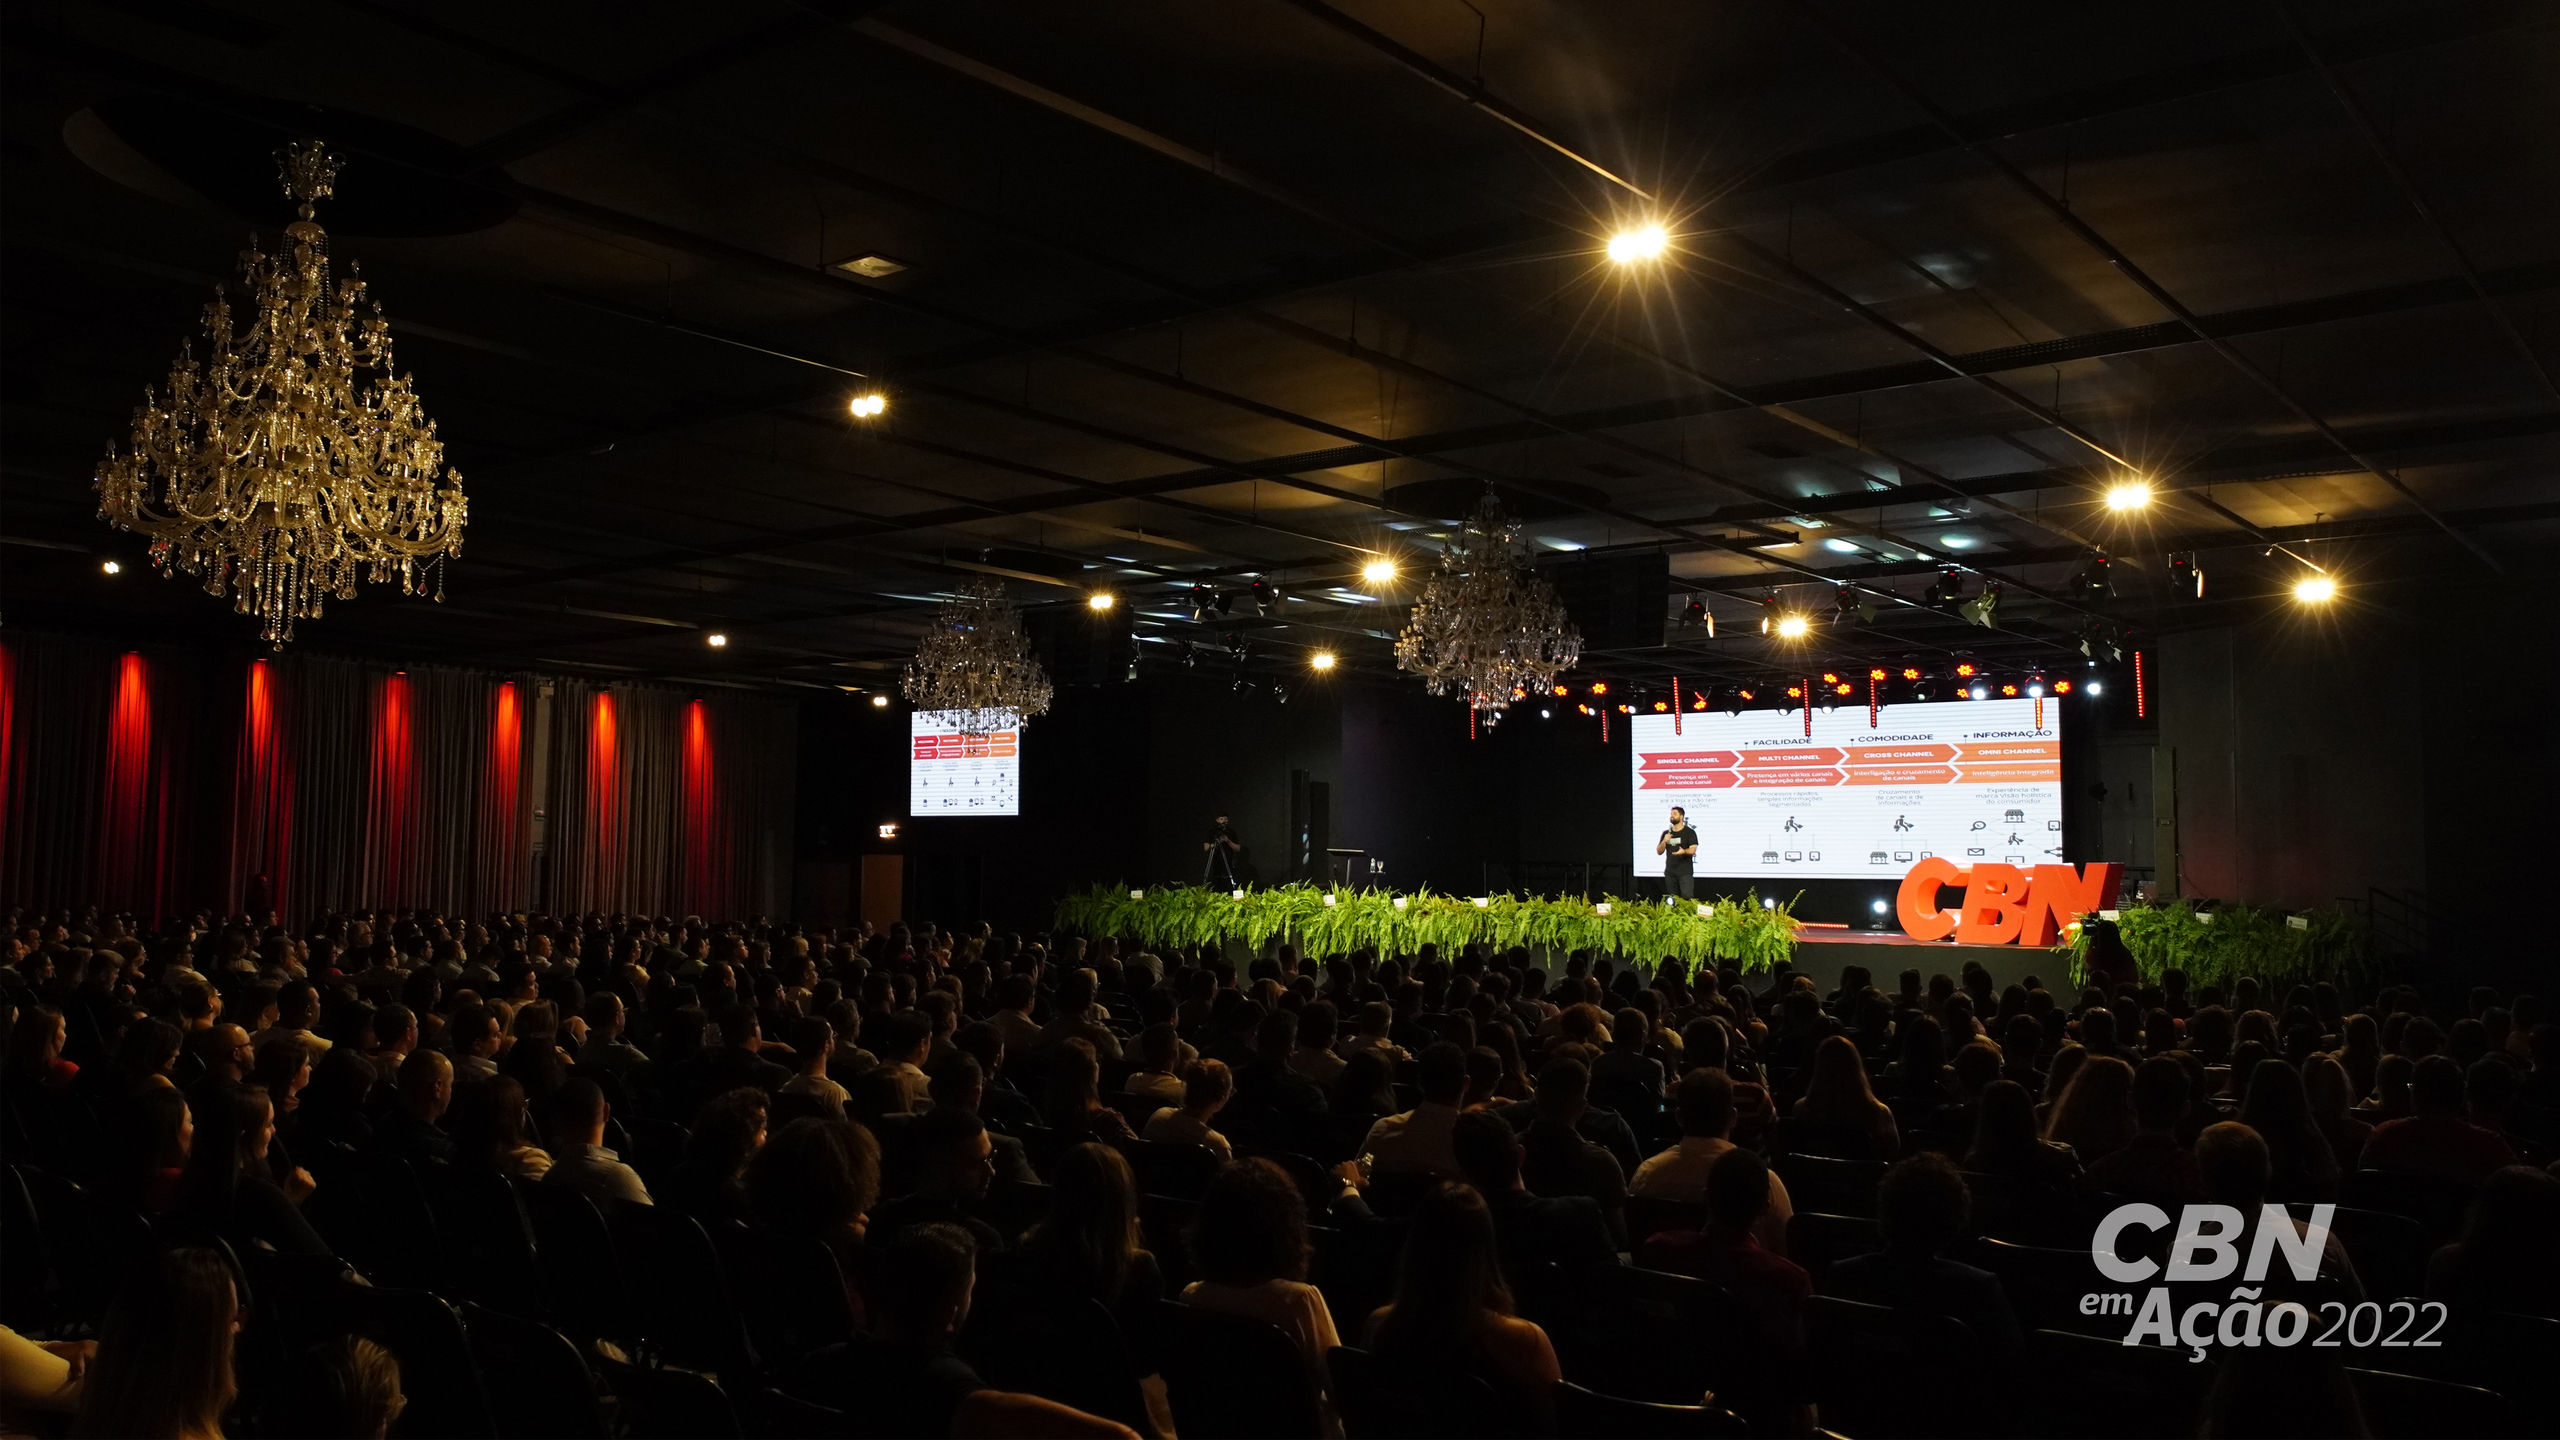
<point x="1965" y="779"/>
<point x="949" y="773"/>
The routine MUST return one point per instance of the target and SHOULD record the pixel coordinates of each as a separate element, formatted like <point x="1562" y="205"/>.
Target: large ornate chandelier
<point x="1487" y="626"/>
<point x="975" y="664"/>
<point x="290" y="457"/>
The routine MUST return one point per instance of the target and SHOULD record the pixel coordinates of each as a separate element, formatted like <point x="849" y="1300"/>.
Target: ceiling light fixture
<point x="111" y="567"/>
<point x="1646" y="242"/>
<point x="1487" y="624"/>
<point x="2130" y="495"/>
<point x="1100" y="600"/>
<point x="870" y="267"/>
<point x="869" y="406"/>
<point x="291" y="458"/>
<point x="715" y="639"/>
<point x="1793" y="627"/>
<point x="1321" y="660"/>
<point x="2315" y="589"/>
<point x="975" y="663"/>
<point x="879" y="702"/>
<point x="1378" y="572"/>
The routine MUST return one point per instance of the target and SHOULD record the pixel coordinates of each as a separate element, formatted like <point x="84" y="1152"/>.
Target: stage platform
<point x="1823" y="953"/>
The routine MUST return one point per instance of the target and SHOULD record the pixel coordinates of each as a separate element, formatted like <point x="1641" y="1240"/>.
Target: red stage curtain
<point x="181" y="779"/>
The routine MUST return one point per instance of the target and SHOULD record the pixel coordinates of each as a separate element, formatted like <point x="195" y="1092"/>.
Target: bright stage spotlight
<point x="1321" y="660"/>
<point x="1378" y="572"/>
<point x="879" y="702"/>
<point x="869" y="407"/>
<point x="2128" y="495"/>
<point x="1793" y="627"/>
<point x="715" y="639"/>
<point x="2315" y="589"/>
<point x="1099" y="600"/>
<point x="1643" y="243"/>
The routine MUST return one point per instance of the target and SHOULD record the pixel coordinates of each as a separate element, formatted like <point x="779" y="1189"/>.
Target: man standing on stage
<point x="1678" y="847"/>
<point x="1222" y="847"/>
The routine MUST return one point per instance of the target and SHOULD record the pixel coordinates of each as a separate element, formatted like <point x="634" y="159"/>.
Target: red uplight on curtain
<point x="501" y="819"/>
<point x="124" y="838"/>
<point x="264" y="833"/>
<point x="604" y="795"/>
<point x="705" y="874"/>
<point x="391" y="831"/>
<point x="8" y="741"/>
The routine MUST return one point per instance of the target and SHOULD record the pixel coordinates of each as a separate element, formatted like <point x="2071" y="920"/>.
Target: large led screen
<point x="949" y="773"/>
<point x="1965" y="779"/>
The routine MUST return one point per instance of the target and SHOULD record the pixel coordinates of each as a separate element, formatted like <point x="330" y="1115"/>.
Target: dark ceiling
<point x="1213" y="291"/>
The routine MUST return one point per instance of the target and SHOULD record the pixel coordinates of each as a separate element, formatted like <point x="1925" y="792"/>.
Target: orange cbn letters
<point x="1917" y="904"/>
<point x="2062" y="895"/>
<point x="2001" y="902"/>
<point x="1995" y="905"/>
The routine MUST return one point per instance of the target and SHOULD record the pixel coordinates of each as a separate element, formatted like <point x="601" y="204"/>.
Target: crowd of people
<point x="908" y="1152"/>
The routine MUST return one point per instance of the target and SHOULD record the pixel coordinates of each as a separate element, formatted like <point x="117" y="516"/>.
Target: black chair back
<point x="535" y="1378"/>
<point x="447" y="1400"/>
<point x="371" y="1209"/>
<point x="582" y="1280"/>
<point x="1818" y="1241"/>
<point x="1066" y="1348"/>
<point x="1882" y="1372"/>
<point x="1647" y="1217"/>
<point x="1232" y="1378"/>
<point x="2409" y="1407"/>
<point x="794" y="1291"/>
<point x="1583" y="1414"/>
<point x="2098" y="1386"/>
<point x="2438" y="1203"/>
<point x="685" y="1303"/>
<point x="1832" y="1186"/>
<point x="2044" y="1285"/>
<point x="90" y="1242"/>
<point x="670" y="1404"/>
<point x="1380" y="1401"/>
<point x="1182" y="1172"/>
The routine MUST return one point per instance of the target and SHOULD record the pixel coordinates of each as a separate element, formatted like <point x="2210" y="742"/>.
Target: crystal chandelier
<point x="975" y="665"/>
<point x="290" y="457"/>
<point x="1486" y="625"/>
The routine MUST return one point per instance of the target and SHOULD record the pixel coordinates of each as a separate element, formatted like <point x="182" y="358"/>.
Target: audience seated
<point x="2438" y="1136"/>
<point x="1417" y="1141"/>
<point x="581" y="1162"/>
<point x="955" y="1166"/>
<point x="1089" y="1243"/>
<point x="1207" y="1086"/>
<point x="1452" y="1311"/>
<point x="1704" y="1105"/>
<point x="1530" y="1229"/>
<point x="914" y="1156"/>
<point x="1250" y="1246"/>
<point x="1920" y="1209"/>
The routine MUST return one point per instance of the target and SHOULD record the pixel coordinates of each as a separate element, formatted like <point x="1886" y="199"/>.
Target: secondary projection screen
<point x="949" y="773"/>
<point x="1965" y="779"/>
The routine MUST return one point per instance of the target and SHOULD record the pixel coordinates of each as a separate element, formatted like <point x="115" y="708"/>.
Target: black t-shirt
<point x="1680" y="839"/>
<point x="1221" y="832"/>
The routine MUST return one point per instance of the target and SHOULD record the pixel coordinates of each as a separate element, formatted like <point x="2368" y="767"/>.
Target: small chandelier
<point x="975" y="666"/>
<point x="290" y="457"/>
<point x="1486" y="626"/>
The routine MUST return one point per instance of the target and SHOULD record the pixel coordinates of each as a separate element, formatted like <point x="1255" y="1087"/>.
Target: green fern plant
<point x="1752" y="935"/>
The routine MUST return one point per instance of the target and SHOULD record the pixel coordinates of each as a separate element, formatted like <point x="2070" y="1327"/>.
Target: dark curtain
<point x="163" y="782"/>
<point x="667" y="804"/>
